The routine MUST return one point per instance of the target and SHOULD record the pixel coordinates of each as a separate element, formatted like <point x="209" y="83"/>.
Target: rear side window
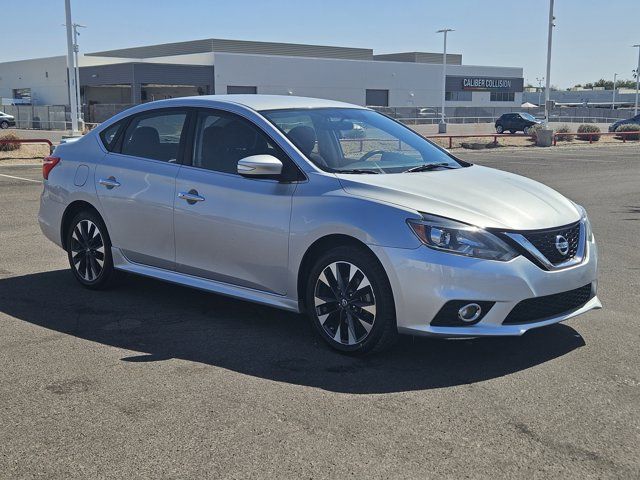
<point x="155" y="135"/>
<point x="109" y="135"/>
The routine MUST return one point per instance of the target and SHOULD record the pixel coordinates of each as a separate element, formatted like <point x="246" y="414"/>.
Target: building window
<point x="503" y="96"/>
<point x="377" y="98"/>
<point x="462" y="96"/>
<point x="241" y="89"/>
<point x="22" y="94"/>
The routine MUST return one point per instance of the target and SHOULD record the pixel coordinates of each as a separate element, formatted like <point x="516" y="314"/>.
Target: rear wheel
<point x="499" y="129"/>
<point x="89" y="251"/>
<point x="350" y="303"/>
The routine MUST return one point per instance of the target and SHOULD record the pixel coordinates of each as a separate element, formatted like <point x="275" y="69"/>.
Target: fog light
<point x="470" y="312"/>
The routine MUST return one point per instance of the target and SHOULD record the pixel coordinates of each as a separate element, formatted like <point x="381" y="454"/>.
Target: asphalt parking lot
<point x="152" y="380"/>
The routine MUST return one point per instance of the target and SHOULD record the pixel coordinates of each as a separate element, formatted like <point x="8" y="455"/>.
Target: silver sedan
<point x="320" y="207"/>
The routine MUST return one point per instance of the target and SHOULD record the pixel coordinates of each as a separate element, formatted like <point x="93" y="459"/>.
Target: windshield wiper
<point x="356" y="170"/>
<point x="428" y="166"/>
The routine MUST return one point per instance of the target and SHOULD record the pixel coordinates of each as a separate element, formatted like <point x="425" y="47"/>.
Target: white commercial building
<point x="133" y="75"/>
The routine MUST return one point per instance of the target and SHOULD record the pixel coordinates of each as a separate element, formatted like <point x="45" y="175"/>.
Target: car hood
<point x="476" y="195"/>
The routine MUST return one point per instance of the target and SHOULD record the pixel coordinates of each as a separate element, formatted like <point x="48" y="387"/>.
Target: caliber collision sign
<point x="487" y="84"/>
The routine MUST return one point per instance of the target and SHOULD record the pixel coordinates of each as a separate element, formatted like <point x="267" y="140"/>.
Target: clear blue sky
<point x="592" y="39"/>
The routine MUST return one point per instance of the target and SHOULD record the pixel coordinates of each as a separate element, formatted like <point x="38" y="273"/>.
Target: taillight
<point x="48" y="164"/>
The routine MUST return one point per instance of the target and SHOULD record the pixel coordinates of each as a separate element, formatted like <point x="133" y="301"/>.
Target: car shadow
<point x="160" y="321"/>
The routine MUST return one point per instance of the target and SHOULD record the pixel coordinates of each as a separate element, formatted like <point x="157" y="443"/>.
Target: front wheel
<point x="350" y="303"/>
<point x="89" y="251"/>
<point x="4" y="125"/>
<point x="527" y="130"/>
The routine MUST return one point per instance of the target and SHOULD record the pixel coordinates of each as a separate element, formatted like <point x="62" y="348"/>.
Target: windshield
<point x="528" y="116"/>
<point x="354" y="140"/>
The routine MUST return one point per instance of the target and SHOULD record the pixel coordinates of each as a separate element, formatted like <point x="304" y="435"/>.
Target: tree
<point x="608" y="84"/>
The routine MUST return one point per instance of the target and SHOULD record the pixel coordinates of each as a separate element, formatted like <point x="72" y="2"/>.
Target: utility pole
<point x="73" y="100"/>
<point x="539" y="80"/>
<point x="637" y="79"/>
<point x="548" y="84"/>
<point x="442" y="127"/>
<point x="613" y="102"/>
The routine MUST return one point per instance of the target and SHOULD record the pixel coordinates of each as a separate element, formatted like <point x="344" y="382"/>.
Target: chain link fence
<point x="431" y="115"/>
<point x="58" y="117"/>
<point x="44" y="117"/>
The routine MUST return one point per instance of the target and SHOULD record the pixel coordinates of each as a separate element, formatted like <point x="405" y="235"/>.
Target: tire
<point x="499" y="129"/>
<point x="351" y="318"/>
<point x="89" y="251"/>
<point x="526" y="130"/>
<point x="4" y="125"/>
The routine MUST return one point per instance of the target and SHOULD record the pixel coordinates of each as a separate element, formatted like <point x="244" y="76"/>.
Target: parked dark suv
<point x="627" y="121"/>
<point x="515" y="122"/>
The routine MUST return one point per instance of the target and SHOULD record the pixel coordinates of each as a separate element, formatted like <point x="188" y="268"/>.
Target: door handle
<point x="191" y="197"/>
<point x="110" y="182"/>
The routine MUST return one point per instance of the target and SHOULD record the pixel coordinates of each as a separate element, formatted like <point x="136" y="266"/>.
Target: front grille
<point x="539" y="308"/>
<point x="545" y="242"/>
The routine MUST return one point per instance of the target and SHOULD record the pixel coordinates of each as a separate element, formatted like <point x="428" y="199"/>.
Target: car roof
<point x="258" y="102"/>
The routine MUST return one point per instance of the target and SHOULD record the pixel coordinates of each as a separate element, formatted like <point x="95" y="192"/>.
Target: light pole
<point x="548" y="84"/>
<point x="73" y="100"/>
<point x="613" y="102"/>
<point x="76" y="49"/>
<point x="637" y="79"/>
<point x="442" y="127"/>
<point x="76" y="68"/>
<point x="539" y="80"/>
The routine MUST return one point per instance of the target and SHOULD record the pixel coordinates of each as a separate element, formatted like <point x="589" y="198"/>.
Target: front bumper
<point x="423" y="280"/>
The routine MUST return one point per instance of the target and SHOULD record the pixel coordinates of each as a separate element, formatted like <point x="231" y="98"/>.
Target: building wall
<point x="46" y="77"/>
<point x="604" y="97"/>
<point x="409" y="84"/>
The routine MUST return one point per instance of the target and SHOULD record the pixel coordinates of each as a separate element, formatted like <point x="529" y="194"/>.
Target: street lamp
<point x="548" y="85"/>
<point x="76" y="49"/>
<point x="539" y="80"/>
<point x="613" y="102"/>
<point x="442" y="127"/>
<point x="76" y="67"/>
<point x="637" y="78"/>
<point x="73" y="99"/>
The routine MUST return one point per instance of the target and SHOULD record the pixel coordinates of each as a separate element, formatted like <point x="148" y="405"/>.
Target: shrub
<point x="9" y="147"/>
<point x="564" y="129"/>
<point x="533" y="131"/>
<point x="629" y="127"/>
<point x="587" y="130"/>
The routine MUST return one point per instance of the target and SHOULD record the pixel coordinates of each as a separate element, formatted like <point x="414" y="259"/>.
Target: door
<point x="136" y="187"/>
<point x="508" y="122"/>
<point x="230" y="228"/>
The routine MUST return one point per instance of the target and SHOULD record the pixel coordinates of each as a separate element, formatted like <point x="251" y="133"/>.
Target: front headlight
<point x="459" y="238"/>
<point x="585" y="221"/>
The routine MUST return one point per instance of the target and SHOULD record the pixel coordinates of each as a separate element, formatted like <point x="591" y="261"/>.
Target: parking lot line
<point x="20" y="178"/>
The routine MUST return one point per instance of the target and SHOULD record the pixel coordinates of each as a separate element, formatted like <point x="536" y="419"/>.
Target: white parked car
<point x="7" y="120"/>
<point x="276" y="200"/>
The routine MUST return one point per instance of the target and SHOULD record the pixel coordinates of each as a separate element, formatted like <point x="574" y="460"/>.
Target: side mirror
<point x="257" y="166"/>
